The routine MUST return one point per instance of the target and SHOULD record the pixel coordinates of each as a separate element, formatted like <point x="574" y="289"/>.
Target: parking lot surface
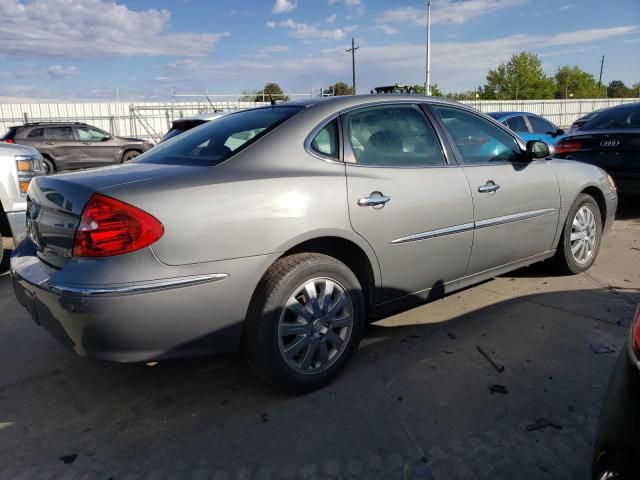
<point x="420" y="400"/>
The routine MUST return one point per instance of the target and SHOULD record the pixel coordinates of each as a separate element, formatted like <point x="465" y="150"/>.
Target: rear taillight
<point x="568" y="146"/>
<point x="635" y="334"/>
<point x="8" y="140"/>
<point x="111" y="227"/>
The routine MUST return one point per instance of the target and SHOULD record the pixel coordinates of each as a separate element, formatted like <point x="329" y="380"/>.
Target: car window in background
<point x="36" y="133"/>
<point x="326" y="140"/>
<point x="88" y="134"/>
<point x="394" y="136"/>
<point x="541" y="126"/>
<point x="216" y="141"/>
<point x="478" y="140"/>
<point x="59" y="133"/>
<point x="517" y="124"/>
<point x="615" y="119"/>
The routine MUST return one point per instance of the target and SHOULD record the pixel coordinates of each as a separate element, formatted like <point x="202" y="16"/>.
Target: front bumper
<point x="18" y="225"/>
<point x="138" y="322"/>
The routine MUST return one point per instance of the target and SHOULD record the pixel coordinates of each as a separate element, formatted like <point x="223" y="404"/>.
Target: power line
<point x="352" y="51"/>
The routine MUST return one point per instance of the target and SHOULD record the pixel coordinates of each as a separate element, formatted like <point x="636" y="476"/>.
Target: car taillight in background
<point x="8" y="140"/>
<point x="110" y="227"/>
<point x="635" y="335"/>
<point x="568" y="146"/>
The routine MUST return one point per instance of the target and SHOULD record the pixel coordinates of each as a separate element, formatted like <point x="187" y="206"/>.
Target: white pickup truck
<point x="18" y="165"/>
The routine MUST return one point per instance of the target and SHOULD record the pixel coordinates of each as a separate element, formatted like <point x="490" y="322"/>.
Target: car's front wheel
<point x="305" y="322"/>
<point x="130" y="155"/>
<point x="580" y="241"/>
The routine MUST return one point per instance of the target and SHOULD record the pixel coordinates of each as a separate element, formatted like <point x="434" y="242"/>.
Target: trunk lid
<point x="55" y="203"/>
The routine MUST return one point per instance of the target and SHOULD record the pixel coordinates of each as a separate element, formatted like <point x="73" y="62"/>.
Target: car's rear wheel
<point x="48" y="166"/>
<point x="130" y="155"/>
<point x="581" y="236"/>
<point x="305" y="322"/>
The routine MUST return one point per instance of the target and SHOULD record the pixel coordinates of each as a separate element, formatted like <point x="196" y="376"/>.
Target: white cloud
<point x="271" y="24"/>
<point x="305" y="31"/>
<point x="331" y="19"/>
<point x="186" y="64"/>
<point x="93" y="29"/>
<point x="58" y="71"/>
<point x="284" y="6"/>
<point x="445" y="11"/>
<point x="348" y="3"/>
<point x="387" y="29"/>
<point x="567" y="6"/>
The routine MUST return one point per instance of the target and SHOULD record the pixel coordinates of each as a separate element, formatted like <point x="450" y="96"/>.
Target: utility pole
<point x="352" y="51"/>
<point x="427" y="83"/>
<point x="600" y="77"/>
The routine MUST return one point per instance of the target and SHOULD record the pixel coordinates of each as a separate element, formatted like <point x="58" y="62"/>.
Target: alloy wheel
<point x="584" y="234"/>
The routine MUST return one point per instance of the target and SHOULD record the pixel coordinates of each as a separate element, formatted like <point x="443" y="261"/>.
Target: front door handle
<point x="489" y="187"/>
<point x="375" y="200"/>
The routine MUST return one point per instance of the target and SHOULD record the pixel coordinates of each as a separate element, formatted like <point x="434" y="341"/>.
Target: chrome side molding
<point x="465" y="227"/>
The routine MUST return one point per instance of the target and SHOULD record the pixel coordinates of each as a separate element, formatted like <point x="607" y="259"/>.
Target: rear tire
<point x="130" y="155"/>
<point x="48" y="166"/>
<point x="581" y="235"/>
<point x="305" y="322"/>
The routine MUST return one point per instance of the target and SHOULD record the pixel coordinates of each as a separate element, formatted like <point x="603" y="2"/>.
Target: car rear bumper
<point x="137" y="322"/>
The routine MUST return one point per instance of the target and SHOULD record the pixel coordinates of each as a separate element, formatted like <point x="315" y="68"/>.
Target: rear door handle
<point x="489" y="187"/>
<point x="375" y="200"/>
<point x="49" y="143"/>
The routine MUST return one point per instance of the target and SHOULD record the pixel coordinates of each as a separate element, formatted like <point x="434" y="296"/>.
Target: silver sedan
<point x="281" y="230"/>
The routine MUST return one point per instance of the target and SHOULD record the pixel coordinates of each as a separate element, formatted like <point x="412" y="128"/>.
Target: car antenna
<point x="273" y="102"/>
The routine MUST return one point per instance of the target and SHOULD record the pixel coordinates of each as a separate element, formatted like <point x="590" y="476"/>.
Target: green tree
<point x="521" y="77"/>
<point x="338" y="89"/>
<point x="617" y="89"/>
<point x="274" y="89"/>
<point x="435" y="91"/>
<point x="575" y="82"/>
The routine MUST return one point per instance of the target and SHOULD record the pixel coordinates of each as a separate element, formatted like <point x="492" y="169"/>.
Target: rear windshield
<point x="615" y="119"/>
<point x="216" y="141"/>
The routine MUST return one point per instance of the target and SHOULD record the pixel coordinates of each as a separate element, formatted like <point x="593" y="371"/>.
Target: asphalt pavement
<point x="500" y="381"/>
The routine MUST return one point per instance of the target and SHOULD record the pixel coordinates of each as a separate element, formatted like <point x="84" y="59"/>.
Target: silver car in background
<point x="281" y="230"/>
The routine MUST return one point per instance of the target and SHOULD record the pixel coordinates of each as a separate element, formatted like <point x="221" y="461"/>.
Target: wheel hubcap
<point x="583" y="234"/>
<point x="315" y="325"/>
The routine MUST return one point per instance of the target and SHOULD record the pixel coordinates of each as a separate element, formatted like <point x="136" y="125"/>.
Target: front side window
<point x="517" y="124"/>
<point x="326" y="140"/>
<point x="393" y="136"/>
<point x="479" y="141"/>
<point x="88" y="134"/>
<point x="541" y="126"/>
<point x="60" y="133"/>
<point x="214" y="142"/>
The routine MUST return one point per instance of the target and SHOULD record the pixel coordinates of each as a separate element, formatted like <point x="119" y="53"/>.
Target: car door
<point x="64" y="148"/>
<point x="406" y="199"/>
<point x="516" y="201"/>
<point x="98" y="147"/>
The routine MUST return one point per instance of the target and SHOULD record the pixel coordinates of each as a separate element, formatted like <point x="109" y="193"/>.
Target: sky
<point x="139" y="50"/>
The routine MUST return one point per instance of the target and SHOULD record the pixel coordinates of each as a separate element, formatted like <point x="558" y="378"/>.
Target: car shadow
<point x="416" y="398"/>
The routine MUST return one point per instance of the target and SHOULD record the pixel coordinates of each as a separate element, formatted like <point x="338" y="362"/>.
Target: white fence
<point x="152" y="120"/>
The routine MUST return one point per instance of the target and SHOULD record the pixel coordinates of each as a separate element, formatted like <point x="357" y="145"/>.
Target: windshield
<point x="615" y="119"/>
<point x="216" y="141"/>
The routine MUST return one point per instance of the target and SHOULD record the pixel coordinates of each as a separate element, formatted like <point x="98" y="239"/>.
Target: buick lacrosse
<point x="281" y="230"/>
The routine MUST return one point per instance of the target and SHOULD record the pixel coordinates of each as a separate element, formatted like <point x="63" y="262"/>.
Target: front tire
<point x="304" y="323"/>
<point x="48" y="166"/>
<point x="580" y="241"/>
<point x="130" y="155"/>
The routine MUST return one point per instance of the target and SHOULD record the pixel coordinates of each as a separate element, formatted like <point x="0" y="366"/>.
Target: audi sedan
<point x="281" y="230"/>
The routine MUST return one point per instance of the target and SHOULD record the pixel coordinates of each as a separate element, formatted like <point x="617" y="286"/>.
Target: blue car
<point x="530" y="126"/>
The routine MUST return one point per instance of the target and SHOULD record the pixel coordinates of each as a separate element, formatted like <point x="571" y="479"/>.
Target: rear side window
<point x="541" y="126"/>
<point x="517" y="124"/>
<point x="216" y="141"/>
<point x="393" y="136"/>
<point x="36" y="133"/>
<point x="326" y="140"/>
<point x="60" y="133"/>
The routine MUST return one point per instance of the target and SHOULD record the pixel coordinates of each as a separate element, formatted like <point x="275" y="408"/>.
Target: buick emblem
<point x="609" y="143"/>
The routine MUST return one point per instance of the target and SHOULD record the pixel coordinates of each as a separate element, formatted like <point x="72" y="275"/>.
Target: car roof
<point x="511" y="114"/>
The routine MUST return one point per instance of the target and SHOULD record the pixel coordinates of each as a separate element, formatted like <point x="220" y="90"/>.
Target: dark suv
<point x="74" y="145"/>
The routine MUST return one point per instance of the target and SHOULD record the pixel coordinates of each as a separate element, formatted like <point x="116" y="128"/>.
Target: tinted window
<point x="216" y="141"/>
<point x="89" y="134"/>
<point x="478" y="140"/>
<point x="517" y="124"/>
<point x="615" y="119"/>
<point x="36" y="133"/>
<point x="326" y="140"/>
<point x="541" y="126"/>
<point x="393" y="135"/>
<point x="59" y="133"/>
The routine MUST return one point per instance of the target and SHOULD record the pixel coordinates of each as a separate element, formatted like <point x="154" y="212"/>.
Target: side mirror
<point x="560" y="131"/>
<point x="537" y="149"/>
